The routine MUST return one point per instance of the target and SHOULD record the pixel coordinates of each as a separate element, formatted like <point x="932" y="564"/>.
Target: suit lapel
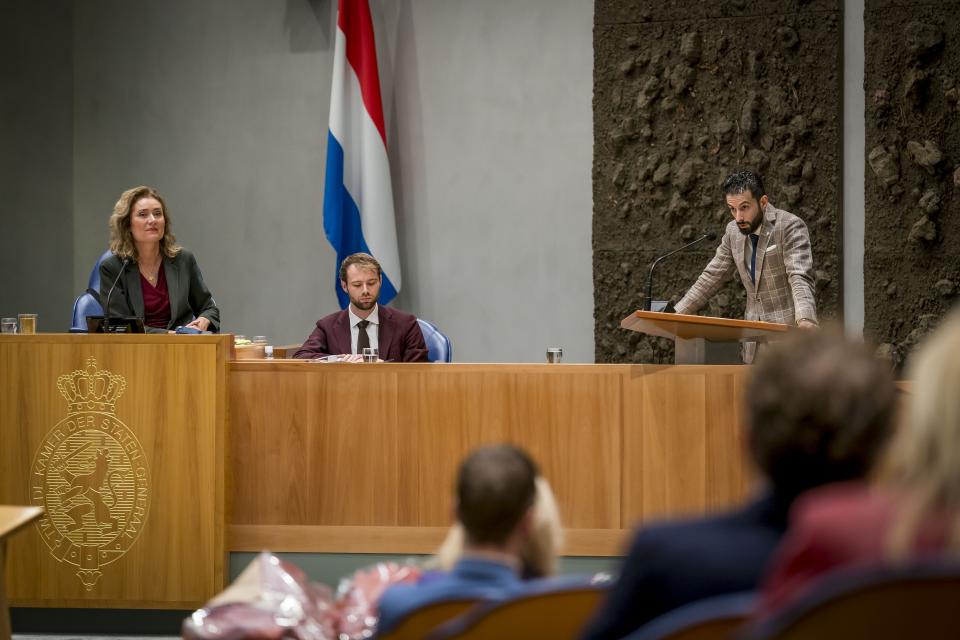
<point x="384" y="333"/>
<point x="341" y="329"/>
<point x="131" y="280"/>
<point x="174" y="286"/>
<point x="770" y="219"/>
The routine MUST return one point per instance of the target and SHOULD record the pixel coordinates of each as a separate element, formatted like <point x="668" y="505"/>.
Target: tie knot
<point x="363" y="324"/>
<point x="754" y="238"/>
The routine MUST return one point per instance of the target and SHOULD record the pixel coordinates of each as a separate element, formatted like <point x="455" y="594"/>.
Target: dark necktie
<point x="363" y="340"/>
<point x="753" y="258"/>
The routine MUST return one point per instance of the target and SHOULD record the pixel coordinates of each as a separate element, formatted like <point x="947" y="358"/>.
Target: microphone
<point x="648" y="299"/>
<point x="106" y="306"/>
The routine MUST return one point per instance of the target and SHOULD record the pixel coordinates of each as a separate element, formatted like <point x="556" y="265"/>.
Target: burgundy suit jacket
<point x="399" y="337"/>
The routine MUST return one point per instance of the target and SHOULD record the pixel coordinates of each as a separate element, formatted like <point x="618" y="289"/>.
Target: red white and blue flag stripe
<point x="358" y="196"/>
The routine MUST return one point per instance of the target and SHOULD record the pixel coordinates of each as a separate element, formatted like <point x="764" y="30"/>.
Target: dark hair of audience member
<point x="925" y="461"/>
<point x="820" y="409"/>
<point x="495" y="489"/>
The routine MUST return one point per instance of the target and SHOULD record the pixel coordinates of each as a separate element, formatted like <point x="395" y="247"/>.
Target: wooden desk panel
<point x="362" y="458"/>
<point x="683" y="450"/>
<point x="162" y="481"/>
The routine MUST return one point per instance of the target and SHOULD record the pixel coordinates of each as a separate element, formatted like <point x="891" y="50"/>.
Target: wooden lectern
<point x="700" y="339"/>
<point x="121" y="438"/>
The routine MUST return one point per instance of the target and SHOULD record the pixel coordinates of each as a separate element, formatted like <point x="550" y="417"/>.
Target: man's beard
<point x="753" y="225"/>
<point x="364" y="306"/>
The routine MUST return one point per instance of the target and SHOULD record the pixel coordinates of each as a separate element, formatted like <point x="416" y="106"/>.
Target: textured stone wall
<point x="685" y="92"/>
<point x="912" y="256"/>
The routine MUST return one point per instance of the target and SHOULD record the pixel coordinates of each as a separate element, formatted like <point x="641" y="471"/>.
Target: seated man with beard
<point x="364" y="323"/>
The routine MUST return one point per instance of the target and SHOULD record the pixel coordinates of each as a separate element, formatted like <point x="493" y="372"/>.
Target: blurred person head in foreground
<point x="911" y="511"/>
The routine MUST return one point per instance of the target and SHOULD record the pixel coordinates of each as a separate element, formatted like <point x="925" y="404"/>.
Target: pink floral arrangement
<point x="358" y="595"/>
<point x="274" y="600"/>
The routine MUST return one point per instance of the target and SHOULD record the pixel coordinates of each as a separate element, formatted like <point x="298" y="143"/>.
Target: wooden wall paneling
<point x="357" y="481"/>
<point x="619" y="443"/>
<point x="446" y="416"/>
<point x="727" y="464"/>
<point x="270" y="451"/>
<point x="569" y="419"/>
<point x="317" y="443"/>
<point x="674" y="447"/>
<point x="682" y="451"/>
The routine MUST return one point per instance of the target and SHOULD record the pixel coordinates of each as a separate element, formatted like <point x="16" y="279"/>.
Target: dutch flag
<point x="358" y="196"/>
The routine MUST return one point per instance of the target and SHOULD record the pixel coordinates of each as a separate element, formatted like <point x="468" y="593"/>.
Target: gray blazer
<point x="189" y="296"/>
<point x="784" y="290"/>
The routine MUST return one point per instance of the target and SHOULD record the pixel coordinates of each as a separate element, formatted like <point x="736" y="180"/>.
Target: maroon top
<point x="156" y="301"/>
<point x="845" y="525"/>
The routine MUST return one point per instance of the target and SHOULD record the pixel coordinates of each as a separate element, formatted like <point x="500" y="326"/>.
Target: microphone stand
<point x="648" y="299"/>
<point x="106" y="307"/>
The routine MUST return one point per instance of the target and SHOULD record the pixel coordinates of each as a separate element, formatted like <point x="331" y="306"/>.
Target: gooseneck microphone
<point x="106" y="306"/>
<point x="648" y="299"/>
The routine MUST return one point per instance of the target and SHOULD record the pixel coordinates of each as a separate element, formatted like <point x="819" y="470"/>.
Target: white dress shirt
<point x="373" y="329"/>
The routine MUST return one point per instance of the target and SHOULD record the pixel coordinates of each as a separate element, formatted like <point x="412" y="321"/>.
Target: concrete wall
<point x="36" y="174"/>
<point x="222" y="105"/>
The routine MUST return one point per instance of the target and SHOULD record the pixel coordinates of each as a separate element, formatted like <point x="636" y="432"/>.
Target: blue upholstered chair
<point x="916" y="600"/>
<point x="438" y="345"/>
<point x="87" y="304"/>
<point x="712" y="618"/>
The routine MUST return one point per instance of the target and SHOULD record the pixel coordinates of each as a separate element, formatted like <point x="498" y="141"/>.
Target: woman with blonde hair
<point x="166" y="289"/>
<point x="913" y="512"/>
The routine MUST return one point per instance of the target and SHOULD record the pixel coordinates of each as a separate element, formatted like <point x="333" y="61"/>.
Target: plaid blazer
<point x="784" y="290"/>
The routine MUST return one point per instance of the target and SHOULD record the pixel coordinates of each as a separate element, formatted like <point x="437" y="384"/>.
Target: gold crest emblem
<point x="91" y="475"/>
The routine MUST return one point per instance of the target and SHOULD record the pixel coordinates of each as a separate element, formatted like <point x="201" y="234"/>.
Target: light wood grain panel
<point x="316" y="445"/>
<point x="167" y="425"/>
<point x="673" y="444"/>
<point x="727" y="465"/>
<point x="682" y="444"/>
<point x="568" y="420"/>
<point x="619" y="443"/>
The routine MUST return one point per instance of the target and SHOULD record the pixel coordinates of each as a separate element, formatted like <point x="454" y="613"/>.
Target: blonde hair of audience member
<point x="121" y="237"/>
<point x="925" y="459"/>
<point x="540" y="553"/>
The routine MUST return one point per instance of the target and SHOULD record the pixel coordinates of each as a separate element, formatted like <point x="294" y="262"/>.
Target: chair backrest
<point x="93" y="282"/>
<point x="422" y="621"/>
<point x="919" y="600"/>
<point x="713" y="618"/>
<point x="553" y="613"/>
<point x="438" y="345"/>
<point x="86" y="305"/>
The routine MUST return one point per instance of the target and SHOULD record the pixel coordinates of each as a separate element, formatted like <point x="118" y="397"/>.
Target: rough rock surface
<point x="685" y="93"/>
<point x="911" y="258"/>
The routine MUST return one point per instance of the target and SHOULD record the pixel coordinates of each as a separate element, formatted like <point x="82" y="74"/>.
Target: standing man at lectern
<point x="364" y="323"/>
<point x="775" y="266"/>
